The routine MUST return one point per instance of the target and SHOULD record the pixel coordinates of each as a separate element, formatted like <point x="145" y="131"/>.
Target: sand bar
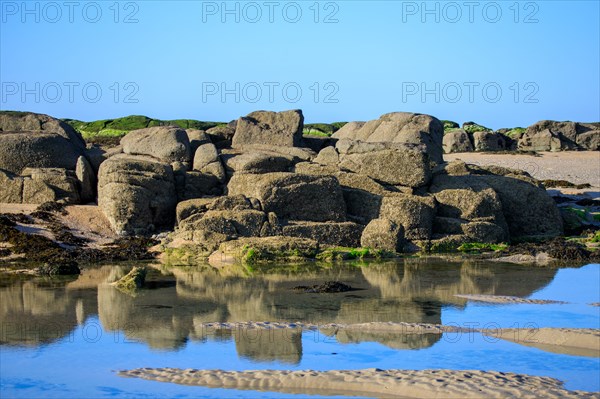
<point x="371" y="382"/>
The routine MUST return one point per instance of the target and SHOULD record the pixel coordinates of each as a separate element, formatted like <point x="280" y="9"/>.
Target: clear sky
<point x="502" y="64"/>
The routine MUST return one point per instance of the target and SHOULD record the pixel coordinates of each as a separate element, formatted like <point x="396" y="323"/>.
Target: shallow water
<point x="66" y="337"/>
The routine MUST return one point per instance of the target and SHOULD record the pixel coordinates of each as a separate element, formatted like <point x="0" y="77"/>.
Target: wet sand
<point x="371" y="382"/>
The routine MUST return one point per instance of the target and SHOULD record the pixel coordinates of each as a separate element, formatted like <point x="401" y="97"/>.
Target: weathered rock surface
<point x="36" y="149"/>
<point x="87" y="179"/>
<point x="207" y="161"/>
<point x="256" y="162"/>
<point x="293" y="196"/>
<point x="391" y="163"/>
<point x="49" y="184"/>
<point x="345" y="234"/>
<point x="414" y="213"/>
<point x="137" y="194"/>
<point x="488" y="141"/>
<point x="457" y="141"/>
<point x="14" y="121"/>
<point x="383" y="234"/>
<point x="165" y="143"/>
<point x="272" y="128"/>
<point x="399" y="127"/>
<point x="196" y="138"/>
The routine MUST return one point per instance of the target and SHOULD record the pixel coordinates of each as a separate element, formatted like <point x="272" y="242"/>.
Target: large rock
<point x="293" y="196"/>
<point x="528" y="209"/>
<point x="137" y="194"/>
<point x="37" y="149"/>
<point x="345" y="234"/>
<point x="457" y="141"/>
<point x="328" y="156"/>
<point x="383" y="234"/>
<point x="391" y="163"/>
<point x="87" y="179"/>
<point x="274" y="128"/>
<point x="14" y="121"/>
<point x="549" y="136"/>
<point x="12" y="188"/>
<point x="206" y="160"/>
<point x="466" y="197"/>
<point x="488" y="141"/>
<point x="165" y="143"/>
<point x="588" y="136"/>
<point x="399" y="127"/>
<point x="198" y="184"/>
<point x="414" y="213"/>
<point x="256" y="162"/>
<point x="221" y="136"/>
<point x="196" y="138"/>
<point x="49" y="184"/>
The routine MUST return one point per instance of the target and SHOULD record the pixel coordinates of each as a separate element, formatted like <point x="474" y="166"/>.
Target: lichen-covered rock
<point x="399" y="127"/>
<point x="137" y="194"/>
<point x="383" y="234"/>
<point x="486" y="232"/>
<point x="414" y="213"/>
<point x="293" y="196"/>
<point x="391" y="163"/>
<point x="345" y="234"/>
<point x="273" y="128"/>
<point x="589" y="140"/>
<point x="457" y="140"/>
<point x="165" y="143"/>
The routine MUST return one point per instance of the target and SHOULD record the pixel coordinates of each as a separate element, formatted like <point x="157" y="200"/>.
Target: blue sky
<point x="502" y="64"/>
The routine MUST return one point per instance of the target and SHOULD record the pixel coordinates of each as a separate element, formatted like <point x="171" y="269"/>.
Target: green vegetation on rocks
<point x="450" y="125"/>
<point x="121" y="126"/>
<point x="472" y="127"/>
<point x="344" y="253"/>
<point x="322" y="129"/>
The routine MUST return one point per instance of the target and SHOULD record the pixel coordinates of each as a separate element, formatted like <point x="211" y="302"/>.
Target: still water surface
<point x="65" y="337"/>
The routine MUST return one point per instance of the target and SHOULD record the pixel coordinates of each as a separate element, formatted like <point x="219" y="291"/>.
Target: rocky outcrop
<point x="488" y="141"/>
<point x="414" y="213"/>
<point x="273" y="128"/>
<point x="256" y="162"/>
<point x="207" y="161"/>
<point x="383" y="234"/>
<point x="399" y="127"/>
<point x="293" y="196"/>
<point x="457" y="140"/>
<point x="344" y="234"/>
<point x="390" y="163"/>
<point x="165" y="143"/>
<point x="14" y="121"/>
<point x="557" y="136"/>
<point x="137" y="194"/>
<point x="36" y="149"/>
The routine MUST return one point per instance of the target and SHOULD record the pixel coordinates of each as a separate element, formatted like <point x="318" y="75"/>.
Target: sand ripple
<point x="371" y="382"/>
<point x="507" y="299"/>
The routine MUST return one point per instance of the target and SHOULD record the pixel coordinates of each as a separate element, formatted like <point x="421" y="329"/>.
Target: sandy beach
<point x="371" y="382"/>
<point x="578" y="167"/>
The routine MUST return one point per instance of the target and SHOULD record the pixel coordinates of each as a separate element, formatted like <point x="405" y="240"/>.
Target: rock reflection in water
<point x="182" y="299"/>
